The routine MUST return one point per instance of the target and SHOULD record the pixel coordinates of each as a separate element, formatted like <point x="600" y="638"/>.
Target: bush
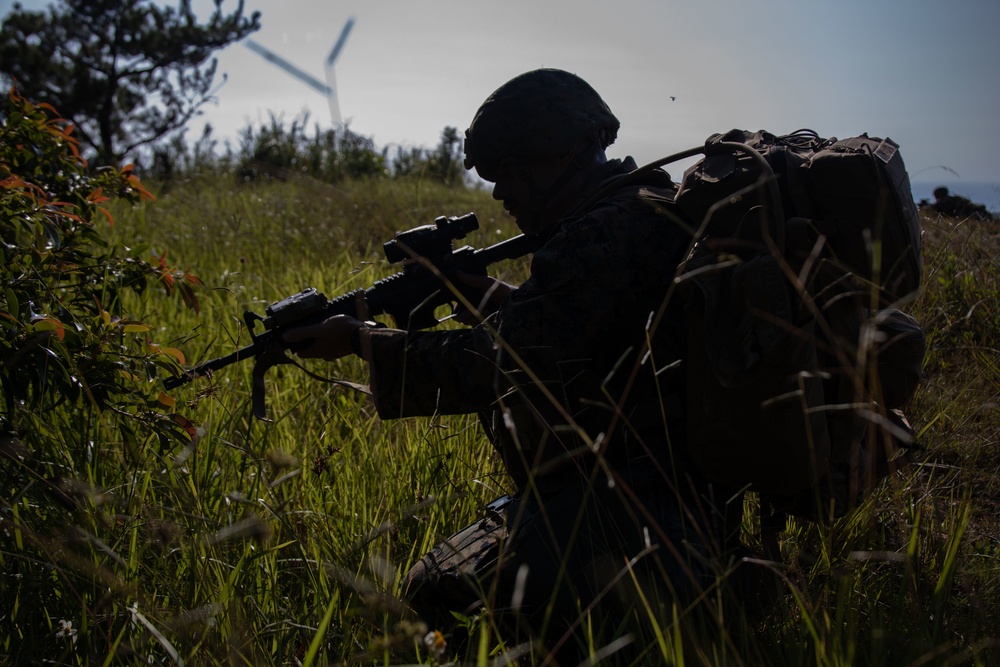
<point x="274" y="151"/>
<point x="78" y="374"/>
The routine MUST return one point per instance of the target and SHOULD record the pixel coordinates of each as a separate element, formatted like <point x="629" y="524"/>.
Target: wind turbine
<point x="327" y="89"/>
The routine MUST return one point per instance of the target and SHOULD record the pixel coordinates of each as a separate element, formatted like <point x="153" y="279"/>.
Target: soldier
<point x="574" y="375"/>
<point x="956" y="206"/>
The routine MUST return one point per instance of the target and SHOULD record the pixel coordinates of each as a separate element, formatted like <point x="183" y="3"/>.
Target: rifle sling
<point x="361" y="388"/>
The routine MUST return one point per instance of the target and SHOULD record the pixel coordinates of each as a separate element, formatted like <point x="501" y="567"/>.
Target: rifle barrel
<point x="212" y="365"/>
<point x="512" y="248"/>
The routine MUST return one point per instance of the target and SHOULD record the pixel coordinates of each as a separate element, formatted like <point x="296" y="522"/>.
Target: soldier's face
<point x="525" y="189"/>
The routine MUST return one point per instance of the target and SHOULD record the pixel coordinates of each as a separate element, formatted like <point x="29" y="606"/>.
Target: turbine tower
<point x="328" y="89"/>
<point x="331" y="79"/>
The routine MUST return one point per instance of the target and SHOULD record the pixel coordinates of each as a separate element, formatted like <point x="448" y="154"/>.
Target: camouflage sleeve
<point x="432" y="372"/>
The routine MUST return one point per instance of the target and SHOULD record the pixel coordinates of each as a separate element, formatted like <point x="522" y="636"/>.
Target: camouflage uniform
<point x="582" y="313"/>
<point x="582" y="411"/>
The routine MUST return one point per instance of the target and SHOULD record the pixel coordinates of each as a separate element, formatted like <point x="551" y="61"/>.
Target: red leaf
<point x="185" y="424"/>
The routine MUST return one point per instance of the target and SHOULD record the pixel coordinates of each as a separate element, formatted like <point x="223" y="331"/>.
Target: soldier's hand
<point x="329" y="340"/>
<point x="485" y="293"/>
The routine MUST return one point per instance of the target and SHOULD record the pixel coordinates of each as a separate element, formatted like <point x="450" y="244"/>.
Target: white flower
<point x="66" y="629"/>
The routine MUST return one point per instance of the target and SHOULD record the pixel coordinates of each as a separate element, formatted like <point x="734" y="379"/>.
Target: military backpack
<point x="799" y="356"/>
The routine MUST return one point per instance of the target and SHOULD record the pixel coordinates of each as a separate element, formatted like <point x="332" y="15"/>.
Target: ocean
<point x="981" y="192"/>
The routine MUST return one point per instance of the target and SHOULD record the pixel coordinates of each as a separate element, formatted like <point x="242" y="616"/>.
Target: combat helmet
<point x="535" y="116"/>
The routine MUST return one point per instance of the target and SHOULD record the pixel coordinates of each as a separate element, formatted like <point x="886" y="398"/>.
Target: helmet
<point x="940" y="192"/>
<point x="535" y="116"/>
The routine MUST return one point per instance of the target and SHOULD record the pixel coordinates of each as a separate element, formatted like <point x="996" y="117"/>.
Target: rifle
<point x="410" y="297"/>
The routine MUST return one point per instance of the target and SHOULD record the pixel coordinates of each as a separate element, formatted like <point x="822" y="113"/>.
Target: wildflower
<point x="435" y="643"/>
<point x="67" y="630"/>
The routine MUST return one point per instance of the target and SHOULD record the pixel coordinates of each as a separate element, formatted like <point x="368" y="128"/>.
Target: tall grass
<point x="284" y="542"/>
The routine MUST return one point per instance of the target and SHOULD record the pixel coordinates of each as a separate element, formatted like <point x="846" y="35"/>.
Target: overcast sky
<point x="924" y="72"/>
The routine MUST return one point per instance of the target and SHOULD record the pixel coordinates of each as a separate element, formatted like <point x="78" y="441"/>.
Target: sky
<point x="925" y="73"/>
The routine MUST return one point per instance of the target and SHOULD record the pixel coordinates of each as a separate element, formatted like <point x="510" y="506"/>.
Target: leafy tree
<point x="446" y="162"/>
<point x="125" y="72"/>
<point x="443" y="164"/>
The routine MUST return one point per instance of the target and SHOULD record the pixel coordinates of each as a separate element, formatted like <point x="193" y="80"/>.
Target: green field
<point x="283" y="543"/>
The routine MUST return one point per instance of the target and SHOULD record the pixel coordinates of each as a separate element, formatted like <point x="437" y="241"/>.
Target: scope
<point x="429" y="240"/>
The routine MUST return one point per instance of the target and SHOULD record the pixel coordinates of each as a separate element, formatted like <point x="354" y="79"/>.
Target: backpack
<point x="799" y="360"/>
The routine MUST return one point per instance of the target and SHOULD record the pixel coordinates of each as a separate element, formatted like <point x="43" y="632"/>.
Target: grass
<point x="284" y="542"/>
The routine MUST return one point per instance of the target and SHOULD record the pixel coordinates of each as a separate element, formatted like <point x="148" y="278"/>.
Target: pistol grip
<point x="273" y="355"/>
<point x="257" y="390"/>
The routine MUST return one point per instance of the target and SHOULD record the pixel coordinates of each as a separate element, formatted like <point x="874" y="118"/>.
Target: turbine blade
<point x="339" y="45"/>
<point x="305" y="77"/>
